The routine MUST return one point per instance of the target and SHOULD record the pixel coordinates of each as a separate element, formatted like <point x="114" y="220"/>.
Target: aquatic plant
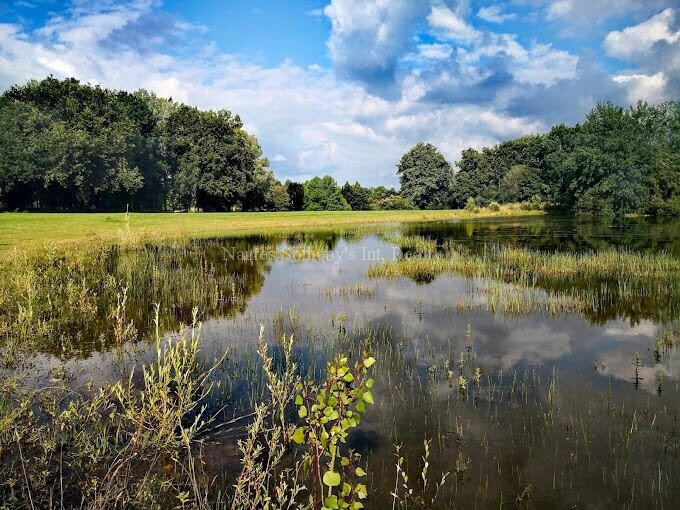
<point x="600" y="284"/>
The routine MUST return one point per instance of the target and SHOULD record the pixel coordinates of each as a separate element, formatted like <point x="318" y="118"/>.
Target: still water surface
<point x="496" y="442"/>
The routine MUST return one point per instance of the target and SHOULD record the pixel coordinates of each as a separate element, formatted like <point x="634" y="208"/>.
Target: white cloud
<point x="279" y="158"/>
<point x="434" y="51"/>
<point x="642" y="87"/>
<point x="368" y="37"/>
<point x="654" y="46"/>
<point x="543" y="64"/>
<point x="594" y="12"/>
<point x="559" y="9"/>
<point x="494" y="14"/>
<point x="636" y="41"/>
<point x="451" y="25"/>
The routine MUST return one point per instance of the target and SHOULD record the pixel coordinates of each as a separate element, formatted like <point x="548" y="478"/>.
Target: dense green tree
<point x="277" y="197"/>
<point x="358" y="197"/>
<point x="471" y="180"/>
<point x="522" y="183"/>
<point x="485" y="175"/>
<point x="425" y="177"/>
<point x="266" y="193"/>
<point x="75" y="147"/>
<point x="296" y="192"/>
<point x="214" y="161"/>
<point x="70" y="146"/>
<point x="323" y="194"/>
<point x="380" y="192"/>
<point x="94" y="147"/>
<point x="618" y="161"/>
<point x="612" y="162"/>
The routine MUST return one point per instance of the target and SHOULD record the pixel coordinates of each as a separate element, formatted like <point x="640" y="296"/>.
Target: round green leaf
<point x="331" y="478"/>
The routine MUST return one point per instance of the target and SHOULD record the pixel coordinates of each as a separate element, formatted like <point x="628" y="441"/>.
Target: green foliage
<point x="358" y="197"/>
<point x="101" y="440"/>
<point x="471" y="205"/>
<point x="619" y="161"/>
<point x="296" y="192"/>
<point x="73" y="147"/>
<point x="381" y="192"/>
<point x="266" y="193"/>
<point x="508" y="172"/>
<point x="393" y="203"/>
<point x="425" y="177"/>
<point x="521" y="183"/>
<point x="494" y="206"/>
<point x="323" y="194"/>
<point x="328" y="412"/>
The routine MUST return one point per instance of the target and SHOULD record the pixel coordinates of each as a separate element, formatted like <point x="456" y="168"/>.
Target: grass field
<point x="31" y="230"/>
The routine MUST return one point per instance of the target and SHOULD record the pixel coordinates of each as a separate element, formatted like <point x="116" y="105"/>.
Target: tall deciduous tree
<point x="425" y="177"/>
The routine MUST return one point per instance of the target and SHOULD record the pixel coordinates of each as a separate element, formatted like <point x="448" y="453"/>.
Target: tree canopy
<point x="68" y="146"/>
<point x="323" y="194"/>
<point x="425" y="177"/>
<point x="618" y="161"/>
<point x="74" y="147"/>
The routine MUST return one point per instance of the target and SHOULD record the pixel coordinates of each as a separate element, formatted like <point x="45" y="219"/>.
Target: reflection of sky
<point x="423" y="318"/>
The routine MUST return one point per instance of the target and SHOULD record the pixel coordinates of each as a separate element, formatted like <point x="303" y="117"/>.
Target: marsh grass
<point x="125" y="444"/>
<point x="63" y="304"/>
<point x="601" y="285"/>
<point x="359" y="290"/>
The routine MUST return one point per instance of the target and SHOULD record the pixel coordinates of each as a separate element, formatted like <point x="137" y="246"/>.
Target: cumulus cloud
<point x="435" y="51"/>
<point x="594" y="12"/>
<point x="642" y="87"/>
<point x="653" y="46"/>
<point x="369" y="37"/>
<point x="639" y="40"/>
<point x="568" y="100"/>
<point x="451" y="25"/>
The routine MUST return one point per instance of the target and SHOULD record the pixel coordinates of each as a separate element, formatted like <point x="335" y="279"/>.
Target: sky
<point x="345" y="87"/>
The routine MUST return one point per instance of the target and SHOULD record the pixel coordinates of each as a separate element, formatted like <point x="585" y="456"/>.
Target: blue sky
<point x="344" y="87"/>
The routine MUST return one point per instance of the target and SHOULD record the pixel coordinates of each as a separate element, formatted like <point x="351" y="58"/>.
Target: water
<point x="512" y="440"/>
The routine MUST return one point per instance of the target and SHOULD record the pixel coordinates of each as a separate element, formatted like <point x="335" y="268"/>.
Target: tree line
<point x="68" y="146"/>
<point x="618" y="161"/>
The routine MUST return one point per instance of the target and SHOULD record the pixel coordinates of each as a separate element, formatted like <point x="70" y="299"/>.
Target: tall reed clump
<point x="140" y="442"/>
<point x="412" y="243"/>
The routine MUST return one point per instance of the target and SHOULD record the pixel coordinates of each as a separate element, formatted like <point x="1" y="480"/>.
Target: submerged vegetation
<point x="600" y="284"/>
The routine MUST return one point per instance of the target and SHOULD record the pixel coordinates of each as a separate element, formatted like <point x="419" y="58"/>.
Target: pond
<point x="539" y="392"/>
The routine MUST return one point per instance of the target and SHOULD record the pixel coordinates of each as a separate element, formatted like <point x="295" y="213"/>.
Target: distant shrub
<point x="393" y="203"/>
<point x="494" y="206"/>
<point x="471" y="205"/>
<point x="533" y="204"/>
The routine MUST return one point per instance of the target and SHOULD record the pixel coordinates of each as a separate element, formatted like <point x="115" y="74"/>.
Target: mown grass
<point x="30" y="230"/>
